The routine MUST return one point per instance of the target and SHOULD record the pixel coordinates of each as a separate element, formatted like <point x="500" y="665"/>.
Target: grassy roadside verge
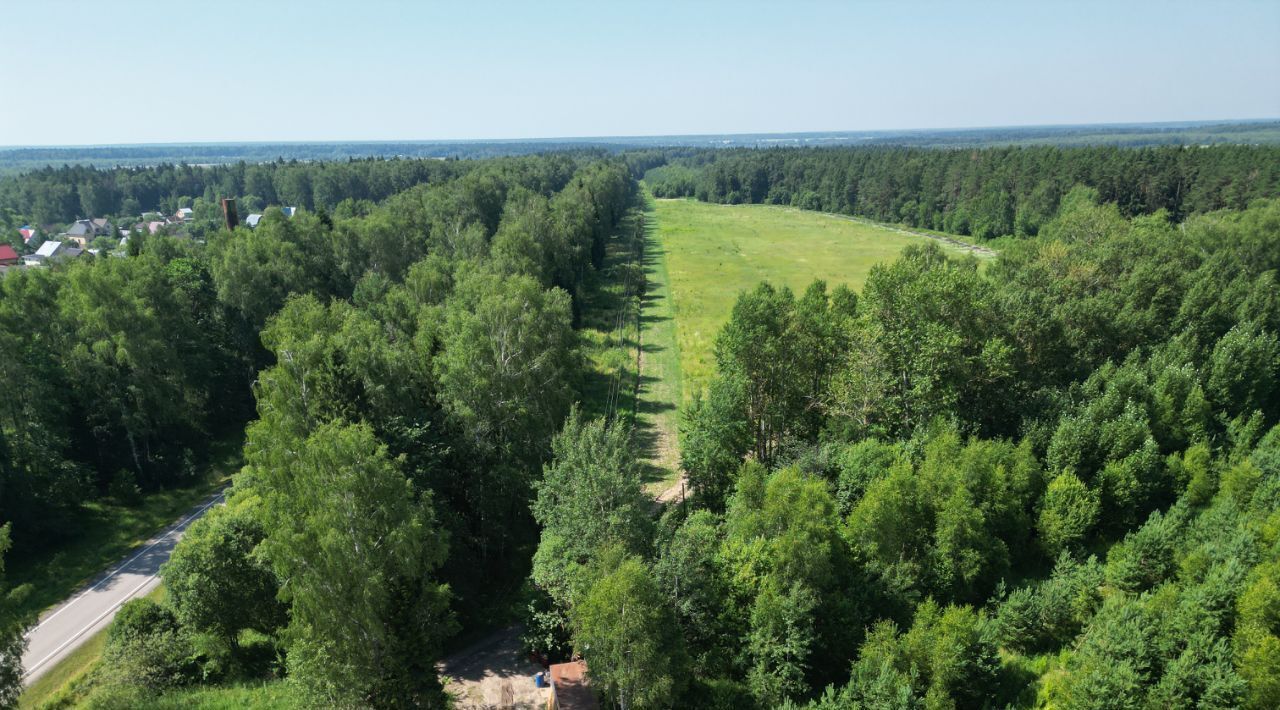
<point x="61" y="681"/>
<point x="109" y="531"/>
<point x="72" y="682"/>
<point x="68" y="680"/>
<point x="275" y="694"/>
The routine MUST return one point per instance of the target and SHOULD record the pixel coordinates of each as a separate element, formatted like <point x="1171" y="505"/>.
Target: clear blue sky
<point x="151" y="71"/>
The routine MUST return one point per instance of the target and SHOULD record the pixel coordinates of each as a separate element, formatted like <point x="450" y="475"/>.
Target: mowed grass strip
<point x="275" y="694"/>
<point x="628" y="339"/>
<point x="714" y="252"/>
<point x="660" y="387"/>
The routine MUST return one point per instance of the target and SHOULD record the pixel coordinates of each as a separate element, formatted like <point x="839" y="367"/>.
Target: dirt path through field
<point x="493" y="672"/>
<point x="657" y="410"/>
<point x="945" y="239"/>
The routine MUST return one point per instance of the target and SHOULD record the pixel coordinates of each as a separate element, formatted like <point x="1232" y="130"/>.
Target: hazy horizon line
<point x="617" y="137"/>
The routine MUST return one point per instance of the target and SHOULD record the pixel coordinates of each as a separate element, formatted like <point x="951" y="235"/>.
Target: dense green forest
<point x="418" y="353"/>
<point x="989" y="192"/>
<point x="119" y="368"/>
<point x="1053" y="480"/>
<point x="60" y="195"/>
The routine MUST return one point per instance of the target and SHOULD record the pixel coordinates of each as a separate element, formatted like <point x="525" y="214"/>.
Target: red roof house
<point x="8" y="257"/>
<point x="569" y="688"/>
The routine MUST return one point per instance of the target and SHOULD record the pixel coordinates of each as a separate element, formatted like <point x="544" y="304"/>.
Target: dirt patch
<point x="675" y="493"/>
<point x="493" y="673"/>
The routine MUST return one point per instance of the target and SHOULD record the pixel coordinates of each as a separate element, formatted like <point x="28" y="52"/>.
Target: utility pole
<point x="230" y="218"/>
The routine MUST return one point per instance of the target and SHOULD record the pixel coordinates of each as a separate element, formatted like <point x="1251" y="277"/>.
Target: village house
<point x="570" y="688"/>
<point x="44" y="252"/>
<point x="253" y="219"/>
<point x="50" y="251"/>
<point x="85" y="231"/>
<point x="150" y="227"/>
<point x="8" y="257"/>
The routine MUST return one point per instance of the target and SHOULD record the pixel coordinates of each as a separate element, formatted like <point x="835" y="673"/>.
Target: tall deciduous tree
<point x="589" y="499"/>
<point x="784" y="558"/>
<point x="756" y="348"/>
<point x="714" y="436"/>
<point x="508" y="354"/>
<point x="1068" y="514"/>
<point x="257" y="269"/>
<point x="629" y="638"/>
<point x="935" y="328"/>
<point x="353" y="545"/>
<point x="13" y="626"/>
<point x="692" y="575"/>
<point x="216" y="585"/>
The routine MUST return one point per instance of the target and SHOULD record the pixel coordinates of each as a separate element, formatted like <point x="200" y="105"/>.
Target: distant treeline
<point x="1133" y="135"/>
<point x="52" y="197"/>
<point x="60" y="195"/>
<point x="15" y="160"/>
<point x="988" y="192"/>
<point x="1126" y="135"/>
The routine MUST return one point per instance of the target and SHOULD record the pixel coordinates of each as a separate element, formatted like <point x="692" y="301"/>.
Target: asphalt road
<point x="62" y="629"/>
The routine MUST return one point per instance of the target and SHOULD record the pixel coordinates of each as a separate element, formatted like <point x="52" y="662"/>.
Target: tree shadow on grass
<point x="646" y="434"/>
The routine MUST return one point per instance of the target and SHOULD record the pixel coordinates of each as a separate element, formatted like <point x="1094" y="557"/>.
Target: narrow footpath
<point x="950" y="241"/>
<point x="659" y="390"/>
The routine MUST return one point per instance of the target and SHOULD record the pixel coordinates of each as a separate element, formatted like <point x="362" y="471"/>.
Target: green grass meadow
<point x="714" y="252"/>
<point x="276" y="694"/>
